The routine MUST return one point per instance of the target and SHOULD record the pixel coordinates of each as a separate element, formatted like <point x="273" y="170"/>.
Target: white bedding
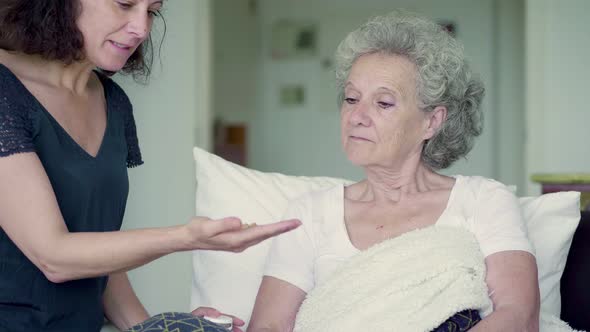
<point x="410" y="283"/>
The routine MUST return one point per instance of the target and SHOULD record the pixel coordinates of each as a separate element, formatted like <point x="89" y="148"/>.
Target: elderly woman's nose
<point x="360" y="115"/>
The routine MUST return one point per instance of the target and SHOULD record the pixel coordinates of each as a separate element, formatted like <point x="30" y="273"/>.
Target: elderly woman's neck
<point x="394" y="185"/>
<point x="73" y="77"/>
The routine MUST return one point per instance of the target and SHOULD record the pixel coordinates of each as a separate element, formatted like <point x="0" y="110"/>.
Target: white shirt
<point x="308" y="255"/>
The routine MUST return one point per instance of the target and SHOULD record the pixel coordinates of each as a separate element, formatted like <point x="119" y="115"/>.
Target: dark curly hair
<point x="48" y="28"/>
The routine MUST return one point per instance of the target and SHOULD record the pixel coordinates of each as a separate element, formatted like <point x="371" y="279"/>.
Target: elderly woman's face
<point x="381" y="124"/>
<point x="114" y="29"/>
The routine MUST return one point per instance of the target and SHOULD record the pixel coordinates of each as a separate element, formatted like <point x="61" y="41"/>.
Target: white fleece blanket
<point x="413" y="282"/>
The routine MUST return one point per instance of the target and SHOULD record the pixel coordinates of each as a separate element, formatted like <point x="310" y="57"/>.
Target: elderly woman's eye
<point x="350" y="100"/>
<point x="124" y="5"/>
<point x="154" y="13"/>
<point x="384" y="104"/>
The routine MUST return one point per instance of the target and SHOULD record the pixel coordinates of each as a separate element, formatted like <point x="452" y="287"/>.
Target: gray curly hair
<point x="443" y="77"/>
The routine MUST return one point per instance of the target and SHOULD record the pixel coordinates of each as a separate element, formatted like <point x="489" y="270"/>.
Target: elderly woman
<point x="410" y="106"/>
<point x="67" y="137"/>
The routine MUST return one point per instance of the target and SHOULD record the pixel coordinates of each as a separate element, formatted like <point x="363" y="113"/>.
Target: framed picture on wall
<point x="293" y="39"/>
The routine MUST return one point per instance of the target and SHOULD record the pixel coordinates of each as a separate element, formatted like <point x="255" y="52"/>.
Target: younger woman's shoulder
<point x="15" y="100"/>
<point x="16" y="124"/>
<point x="114" y="90"/>
<point x="121" y="105"/>
<point x="9" y="85"/>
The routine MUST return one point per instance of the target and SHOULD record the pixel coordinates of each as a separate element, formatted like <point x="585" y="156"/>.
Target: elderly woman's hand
<point x="210" y="312"/>
<point x="230" y="234"/>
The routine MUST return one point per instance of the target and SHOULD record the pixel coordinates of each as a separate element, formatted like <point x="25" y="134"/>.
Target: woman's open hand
<point x="230" y="234"/>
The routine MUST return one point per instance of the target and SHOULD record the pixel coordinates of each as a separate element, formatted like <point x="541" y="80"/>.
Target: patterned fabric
<point x="460" y="322"/>
<point x="177" y="322"/>
<point x="15" y="122"/>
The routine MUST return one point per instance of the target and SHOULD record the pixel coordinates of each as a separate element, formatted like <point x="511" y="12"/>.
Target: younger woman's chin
<point x="114" y="65"/>
<point x="112" y="69"/>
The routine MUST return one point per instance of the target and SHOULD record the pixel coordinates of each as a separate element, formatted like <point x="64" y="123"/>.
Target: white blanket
<point x="413" y="282"/>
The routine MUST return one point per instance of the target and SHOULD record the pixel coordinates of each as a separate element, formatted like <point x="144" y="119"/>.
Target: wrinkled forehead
<point x="392" y="71"/>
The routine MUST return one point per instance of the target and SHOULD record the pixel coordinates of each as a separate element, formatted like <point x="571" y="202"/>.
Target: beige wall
<point x="557" y="80"/>
<point x="305" y="139"/>
<point x="172" y="115"/>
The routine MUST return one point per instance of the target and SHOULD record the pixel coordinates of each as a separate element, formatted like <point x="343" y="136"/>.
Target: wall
<point x="235" y="66"/>
<point x="305" y="139"/>
<point x="557" y="112"/>
<point x="172" y="115"/>
<point x="509" y="135"/>
<point x="316" y="124"/>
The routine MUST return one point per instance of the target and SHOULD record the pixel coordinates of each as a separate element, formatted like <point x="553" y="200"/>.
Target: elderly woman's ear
<point x="435" y="121"/>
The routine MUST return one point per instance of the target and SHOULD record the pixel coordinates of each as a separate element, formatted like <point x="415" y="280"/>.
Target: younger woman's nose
<point x="140" y="25"/>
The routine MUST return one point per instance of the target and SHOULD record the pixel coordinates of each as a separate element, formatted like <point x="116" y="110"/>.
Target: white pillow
<point x="229" y="282"/>
<point x="551" y="221"/>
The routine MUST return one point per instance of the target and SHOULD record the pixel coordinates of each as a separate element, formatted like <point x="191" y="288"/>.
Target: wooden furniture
<point x="230" y="142"/>
<point x="566" y="182"/>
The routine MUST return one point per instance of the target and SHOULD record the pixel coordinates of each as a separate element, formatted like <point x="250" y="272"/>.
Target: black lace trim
<point x="133" y="153"/>
<point x="15" y="129"/>
<point x="122" y="104"/>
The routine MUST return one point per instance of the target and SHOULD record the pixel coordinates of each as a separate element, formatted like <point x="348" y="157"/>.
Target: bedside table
<point x="566" y="182"/>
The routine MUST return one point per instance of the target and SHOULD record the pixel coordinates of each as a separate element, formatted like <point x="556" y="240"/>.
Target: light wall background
<point x="172" y="115"/>
<point x="532" y="55"/>
<point x="304" y="139"/>
<point x="558" y="85"/>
